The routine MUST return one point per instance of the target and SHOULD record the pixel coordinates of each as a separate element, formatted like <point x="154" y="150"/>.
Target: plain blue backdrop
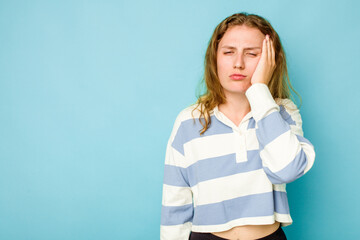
<point x="89" y="91"/>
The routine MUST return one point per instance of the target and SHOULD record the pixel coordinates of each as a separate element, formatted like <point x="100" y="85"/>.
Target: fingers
<point x="268" y="48"/>
<point x="271" y="50"/>
<point x="268" y="51"/>
<point x="264" y="49"/>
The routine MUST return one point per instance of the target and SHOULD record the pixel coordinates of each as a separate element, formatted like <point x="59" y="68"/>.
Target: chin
<point x="237" y="89"/>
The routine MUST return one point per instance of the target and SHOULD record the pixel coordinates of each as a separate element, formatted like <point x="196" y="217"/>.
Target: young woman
<point x="230" y="156"/>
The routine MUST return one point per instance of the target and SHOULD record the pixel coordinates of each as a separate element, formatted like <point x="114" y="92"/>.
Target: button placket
<point x="241" y="152"/>
<point x="238" y="133"/>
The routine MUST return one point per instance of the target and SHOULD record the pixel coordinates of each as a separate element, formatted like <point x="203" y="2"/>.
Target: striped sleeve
<point x="177" y="201"/>
<point x="286" y="155"/>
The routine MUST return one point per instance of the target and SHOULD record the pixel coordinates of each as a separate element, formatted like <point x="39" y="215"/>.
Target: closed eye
<point x="252" y="54"/>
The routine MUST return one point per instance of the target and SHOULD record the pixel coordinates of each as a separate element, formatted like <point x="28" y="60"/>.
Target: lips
<point x="237" y="76"/>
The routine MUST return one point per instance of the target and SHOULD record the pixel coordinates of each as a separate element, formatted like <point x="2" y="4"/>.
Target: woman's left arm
<point x="285" y="153"/>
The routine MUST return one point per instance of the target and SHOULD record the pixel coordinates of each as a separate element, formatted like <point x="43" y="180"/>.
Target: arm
<point x="177" y="206"/>
<point x="285" y="153"/>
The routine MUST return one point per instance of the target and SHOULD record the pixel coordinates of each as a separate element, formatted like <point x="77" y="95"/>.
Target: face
<point x="238" y="52"/>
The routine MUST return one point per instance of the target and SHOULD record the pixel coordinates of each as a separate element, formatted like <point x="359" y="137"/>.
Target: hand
<point x="266" y="65"/>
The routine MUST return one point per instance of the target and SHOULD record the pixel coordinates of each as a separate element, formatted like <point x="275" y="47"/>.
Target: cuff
<point x="261" y="101"/>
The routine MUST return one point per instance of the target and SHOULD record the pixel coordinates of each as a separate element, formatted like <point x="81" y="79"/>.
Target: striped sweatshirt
<point x="233" y="175"/>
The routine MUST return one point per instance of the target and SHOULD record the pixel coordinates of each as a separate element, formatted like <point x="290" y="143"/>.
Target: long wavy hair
<point x="279" y="83"/>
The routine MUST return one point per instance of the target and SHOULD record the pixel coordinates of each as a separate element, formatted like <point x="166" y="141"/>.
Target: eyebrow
<point x="249" y="48"/>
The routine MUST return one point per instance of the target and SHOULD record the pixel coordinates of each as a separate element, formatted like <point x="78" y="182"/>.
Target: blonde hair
<point x="279" y="83"/>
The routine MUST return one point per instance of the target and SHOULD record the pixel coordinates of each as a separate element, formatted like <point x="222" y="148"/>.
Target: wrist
<point x="258" y="81"/>
<point x="261" y="100"/>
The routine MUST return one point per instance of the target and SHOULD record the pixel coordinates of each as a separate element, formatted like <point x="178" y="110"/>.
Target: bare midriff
<point x="248" y="232"/>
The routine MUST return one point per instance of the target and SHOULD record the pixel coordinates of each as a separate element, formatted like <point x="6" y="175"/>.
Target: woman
<point x="230" y="156"/>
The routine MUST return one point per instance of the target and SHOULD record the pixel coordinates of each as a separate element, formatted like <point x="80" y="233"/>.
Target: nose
<point x="239" y="61"/>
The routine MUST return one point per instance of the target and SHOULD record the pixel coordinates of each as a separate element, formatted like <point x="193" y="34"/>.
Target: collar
<point x="224" y="119"/>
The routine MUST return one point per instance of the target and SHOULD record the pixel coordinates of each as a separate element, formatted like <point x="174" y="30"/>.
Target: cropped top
<point x="233" y="175"/>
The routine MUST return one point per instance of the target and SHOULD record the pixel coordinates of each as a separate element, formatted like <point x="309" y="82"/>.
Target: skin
<point x="258" y="65"/>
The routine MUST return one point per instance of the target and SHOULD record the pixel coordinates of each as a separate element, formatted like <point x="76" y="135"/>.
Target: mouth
<point x="237" y="76"/>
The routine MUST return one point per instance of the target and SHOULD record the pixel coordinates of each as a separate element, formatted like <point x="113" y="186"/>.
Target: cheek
<point x="253" y="64"/>
<point x="223" y="65"/>
<point x="220" y="66"/>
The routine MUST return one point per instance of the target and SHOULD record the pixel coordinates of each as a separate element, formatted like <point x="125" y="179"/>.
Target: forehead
<point x="242" y="36"/>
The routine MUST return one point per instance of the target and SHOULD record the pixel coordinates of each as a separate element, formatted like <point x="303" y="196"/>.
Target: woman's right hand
<point x="266" y="65"/>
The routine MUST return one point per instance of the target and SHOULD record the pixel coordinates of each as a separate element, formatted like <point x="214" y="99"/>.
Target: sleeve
<point x="177" y="201"/>
<point x="285" y="153"/>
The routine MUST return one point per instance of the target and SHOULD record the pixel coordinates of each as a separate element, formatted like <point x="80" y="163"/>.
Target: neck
<point x="235" y="107"/>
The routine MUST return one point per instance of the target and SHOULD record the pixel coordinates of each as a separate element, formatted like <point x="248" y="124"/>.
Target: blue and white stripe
<point x="233" y="175"/>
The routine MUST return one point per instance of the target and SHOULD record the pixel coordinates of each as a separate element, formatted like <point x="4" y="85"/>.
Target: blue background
<point x="89" y="91"/>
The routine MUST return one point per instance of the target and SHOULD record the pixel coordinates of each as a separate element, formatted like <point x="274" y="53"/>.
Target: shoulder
<point x="287" y="103"/>
<point x="185" y="119"/>
<point x="191" y="112"/>
<point x="289" y="111"/>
